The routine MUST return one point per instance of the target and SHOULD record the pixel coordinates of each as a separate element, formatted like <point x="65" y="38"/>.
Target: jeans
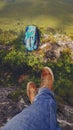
<point x="40" y="115"/>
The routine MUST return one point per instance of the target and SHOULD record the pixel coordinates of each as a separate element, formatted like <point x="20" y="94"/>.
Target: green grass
<point x="45" y="13"/>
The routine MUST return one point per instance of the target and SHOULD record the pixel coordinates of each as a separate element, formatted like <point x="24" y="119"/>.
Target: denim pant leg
<point x="40" y="115"/>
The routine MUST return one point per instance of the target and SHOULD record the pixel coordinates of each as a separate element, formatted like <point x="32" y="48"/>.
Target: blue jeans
<point x="40" y="115"/>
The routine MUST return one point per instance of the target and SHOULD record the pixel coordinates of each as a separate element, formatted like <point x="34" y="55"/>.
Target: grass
<point x="49" y="13"/>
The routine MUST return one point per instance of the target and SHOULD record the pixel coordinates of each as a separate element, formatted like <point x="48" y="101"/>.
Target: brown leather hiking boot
<point x="47" y="78"/>
<point x="31" y="91"/>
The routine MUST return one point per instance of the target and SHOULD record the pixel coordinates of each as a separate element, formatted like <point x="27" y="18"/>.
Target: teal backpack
<point x="31" y="38"/>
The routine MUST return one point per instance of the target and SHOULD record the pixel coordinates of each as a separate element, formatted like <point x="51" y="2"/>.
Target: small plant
<point x="36" y="62"/>
<point x="6" y="37"/>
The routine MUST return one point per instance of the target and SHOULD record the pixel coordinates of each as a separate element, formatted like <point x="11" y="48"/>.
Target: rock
<point x="53" y="50"/>
<point x="5" y="47"/>
<point x="21" y="104"/>
<point x="65" y="116"/>
<point x="9" y="108"/>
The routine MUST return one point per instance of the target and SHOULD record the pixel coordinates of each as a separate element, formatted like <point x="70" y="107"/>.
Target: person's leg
<point x="40" y="115"/>
<point x="47" y="79"/>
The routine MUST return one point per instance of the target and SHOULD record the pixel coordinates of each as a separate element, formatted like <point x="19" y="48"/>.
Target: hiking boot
<point x="31" y="91"/>
<point x="47" y="78"/>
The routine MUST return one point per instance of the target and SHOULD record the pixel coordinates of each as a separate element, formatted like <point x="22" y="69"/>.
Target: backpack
<point x="31" y="38"/>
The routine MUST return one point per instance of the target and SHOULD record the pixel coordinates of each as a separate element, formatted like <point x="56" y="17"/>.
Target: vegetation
<point x="17" y="66"/>
<point x="15" y="14"/>
<point x="15" y="62"/>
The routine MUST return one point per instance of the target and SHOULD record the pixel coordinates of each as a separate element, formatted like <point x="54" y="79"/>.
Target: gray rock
<point x="65" y="116"/>
<point x="53" y="50"/>
<point x="9" y="108"/>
